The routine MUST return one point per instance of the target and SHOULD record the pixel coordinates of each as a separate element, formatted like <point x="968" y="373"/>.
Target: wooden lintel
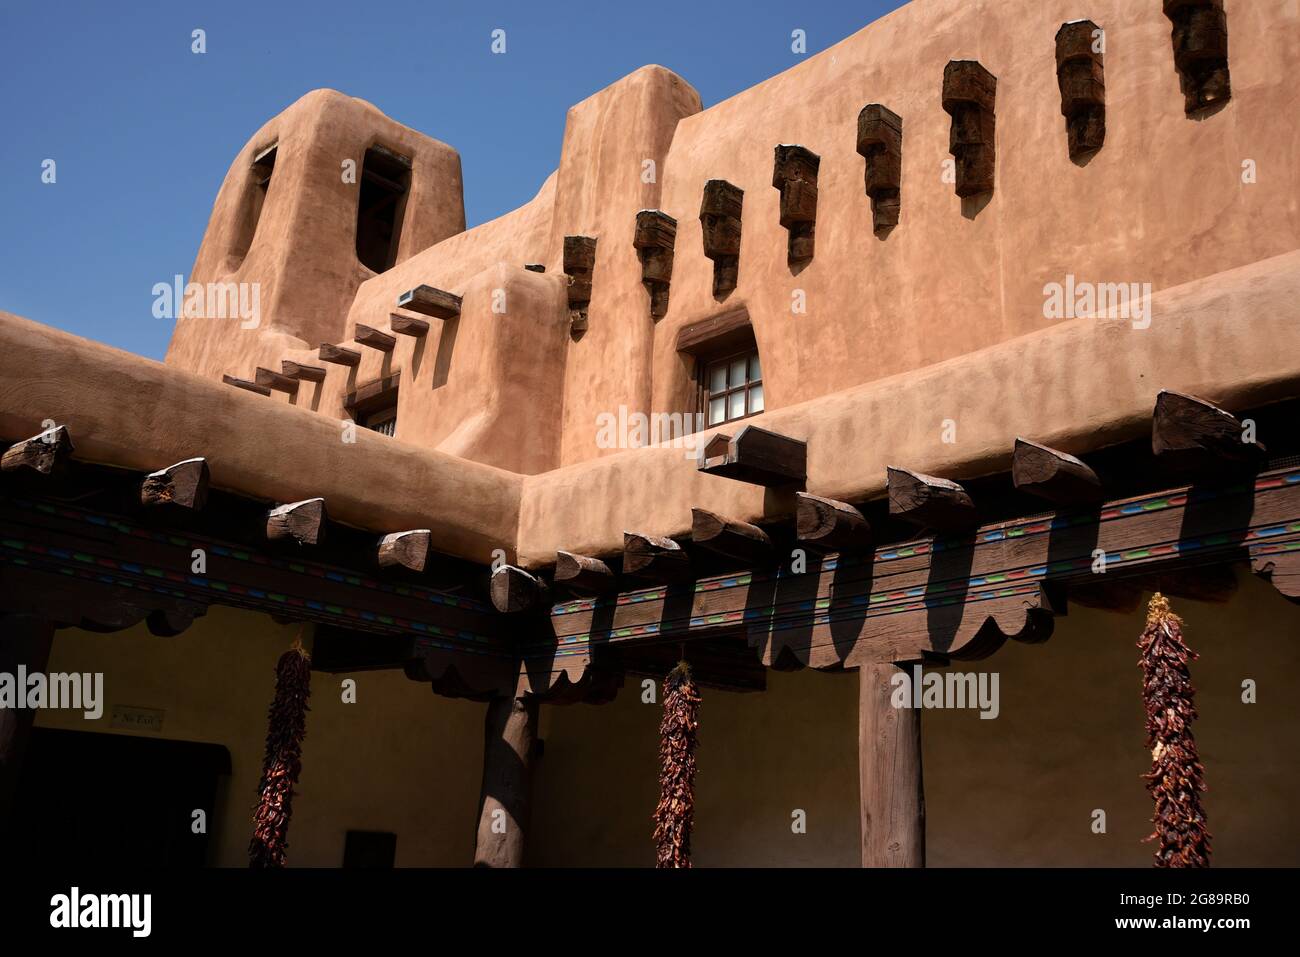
<point x="655" y="558"/>
<point x="735" y="539"/>
<point x="583" y="573"/>
<point x="184" y="484"/>
<point x="302" y="522"/>
<point x="244" y="384"/>
<point x="276" y="381"/>
<point x="758" y="456"/>
<point x="1193" y="434"/>
<point x="46" y="453"/>
<point x="929" y="501"/>
<point x="514" y="590"/>
<point x="408" y="325"/>
<point x="429" y="301"/>
<point x="1055" y="476"/>
<point x="830" y="526"/>
<point x="408" y="549"/>
<point x="339" y="355"/>
<point x="369" y="336"/>
<point x="298" y="370"/>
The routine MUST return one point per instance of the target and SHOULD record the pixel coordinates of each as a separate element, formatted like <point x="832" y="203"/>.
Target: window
<point x="374" y="405"/>
<point x="383" y="421"/>
<point x="733" y="388"/>
<point x="385" y="177"/>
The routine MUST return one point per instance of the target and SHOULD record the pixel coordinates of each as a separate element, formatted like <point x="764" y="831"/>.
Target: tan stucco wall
<point x="1163" y="203"/>
<point x="1019" y="790"/>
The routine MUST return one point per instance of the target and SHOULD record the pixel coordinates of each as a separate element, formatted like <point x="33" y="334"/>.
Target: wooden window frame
<point x="372" y="400"/>
<point x="705" y="394"/>
<point x="727" y="336"/>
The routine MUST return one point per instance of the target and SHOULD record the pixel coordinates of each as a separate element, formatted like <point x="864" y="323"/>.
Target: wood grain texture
<point x="891" y="790"/>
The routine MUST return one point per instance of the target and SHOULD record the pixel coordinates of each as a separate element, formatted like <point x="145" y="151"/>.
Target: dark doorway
<point x="116" y="800"/>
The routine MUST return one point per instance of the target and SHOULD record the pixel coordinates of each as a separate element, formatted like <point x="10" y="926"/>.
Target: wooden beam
<point x="338" y="355"/>
<point x="583" y="573"/>
<point x="830" y="526"/>
<point x="276" y="381"/>
<point x="891" y="789"/>
<point x="757" y="456"/>
<point x="302" y="522"/>
<point x="654" y="558"/>
<point x="429" y="301"/>
<point x="1053" y="475"/>
<point x="735" y="539"/>
<point x="369" y="336"/>
<point x="408" y="325"/>
<point x="47" y="453"/>
<point x="244" y="384"/>
<point x="297" y="370"/>
<point x="510" y="743"/>
<point x="515" y="590"/>
<point x="408" y="550"/>
<point x="1191" y="434"/>
<point x="184" y="484"/>
<point x="928" y="501"/>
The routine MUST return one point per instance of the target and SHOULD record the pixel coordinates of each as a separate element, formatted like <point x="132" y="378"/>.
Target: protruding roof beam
<point x="1190" y="433"/>
<point x="46" y="453"/>
<point x="305" y="373"/>
<point x="408" y="325"/>
<point x="339" y="355"/>
<point x="277" y="381"/>
<point x="369" y="336"/>
<point x="1053" y="475"/>
<point x="428" y="301"/>
<point x="657" y="559"/>
<point x="514" y="590"/>
<point x="930" y="502"/>
<point x="239" y="383"/>
<point x="409" y="550"/>
<point x="758" y="456"/>
<point x="302" y="522"/>
<point x="830" y="526"/>
<point x="583" y="573"/>
<point x="735" y="539"/>
<point x="184" y="484"/>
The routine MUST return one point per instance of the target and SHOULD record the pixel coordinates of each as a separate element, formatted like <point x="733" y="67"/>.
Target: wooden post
<point x="24" y="640"/>
<point x="889" y="773"/>
<point x="510" y="736"/>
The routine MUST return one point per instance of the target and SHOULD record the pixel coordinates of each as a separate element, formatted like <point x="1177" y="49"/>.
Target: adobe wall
<point x="1163" y="202"/>
<point x="1018" y="790"/>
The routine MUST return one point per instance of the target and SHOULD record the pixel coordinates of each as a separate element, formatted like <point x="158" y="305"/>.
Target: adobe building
<point x="988" y="316"/>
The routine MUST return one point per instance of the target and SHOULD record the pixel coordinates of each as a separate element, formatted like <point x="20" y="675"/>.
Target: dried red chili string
<point x="678" y="738"/>
<point x="286" y="727"/>
<point x="1177" y="778"/>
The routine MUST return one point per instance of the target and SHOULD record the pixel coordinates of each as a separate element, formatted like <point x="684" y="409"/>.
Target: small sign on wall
<point x="137" y="719"/>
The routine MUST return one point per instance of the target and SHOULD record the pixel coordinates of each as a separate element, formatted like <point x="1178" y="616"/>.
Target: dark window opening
<point x="374" y="405"/>
<point x="259" y="182"/>
<point x="370" y="850"/>
<point x="385" y="179"/>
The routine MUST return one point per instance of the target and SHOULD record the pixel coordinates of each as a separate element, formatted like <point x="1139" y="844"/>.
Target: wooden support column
<point x="510" y="737"/>
<point x="891" y="796"/>
<point x="24" y="641"/>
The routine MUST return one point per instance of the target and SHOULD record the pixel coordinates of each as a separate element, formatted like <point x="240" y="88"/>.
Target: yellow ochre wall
<point x="1019" y="790"/>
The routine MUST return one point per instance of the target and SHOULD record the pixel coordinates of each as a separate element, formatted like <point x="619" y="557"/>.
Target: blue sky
<point x="143" y="130"/>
